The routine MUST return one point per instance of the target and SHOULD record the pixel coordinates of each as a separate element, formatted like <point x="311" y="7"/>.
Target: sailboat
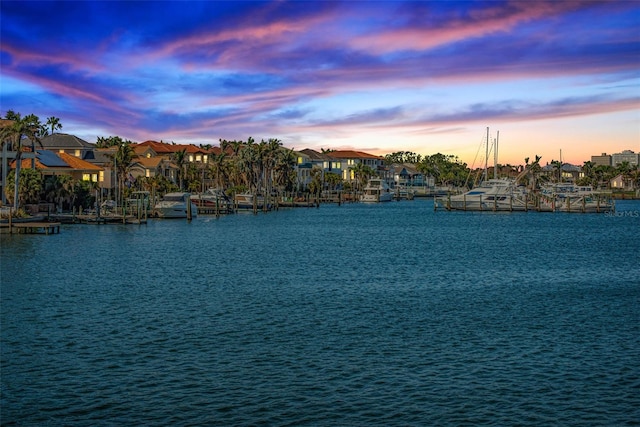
<point x="491" y="194"/>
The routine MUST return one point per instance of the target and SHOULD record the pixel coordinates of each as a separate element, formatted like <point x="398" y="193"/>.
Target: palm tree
<point x="21" y="130"/>
<point x="122" y="158"/>
<point x="54" y="123"/>
<point x="180" y="158"/>
<point x="362" y="173"/>
<point x="218" y="168"/>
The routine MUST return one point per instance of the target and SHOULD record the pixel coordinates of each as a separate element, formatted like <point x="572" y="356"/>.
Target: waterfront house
<point x="50" y="163"/>
<point x="407" y="175"/>
<point x="621" y="183"/>
<point x="343" y="161"/>
<point x="68" y="144"/>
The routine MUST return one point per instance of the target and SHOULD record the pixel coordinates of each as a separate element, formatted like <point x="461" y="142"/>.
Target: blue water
<point x="357" y="315"/>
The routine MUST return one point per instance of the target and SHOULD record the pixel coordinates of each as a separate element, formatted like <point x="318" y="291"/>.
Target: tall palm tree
<point x="122" y="159"/>
<point x="15" y="135"/>
<point x="54" y="123"/>
<point x="180" y="158"/>
<point x="362" y="173"/>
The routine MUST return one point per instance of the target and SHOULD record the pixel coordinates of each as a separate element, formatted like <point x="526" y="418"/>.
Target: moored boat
<point x="211" y="199"/>
<point x="175" y="205"/>
<point x="490" y="195"/>
<point x="569" y="197"/>
<point x="377" y="190"/>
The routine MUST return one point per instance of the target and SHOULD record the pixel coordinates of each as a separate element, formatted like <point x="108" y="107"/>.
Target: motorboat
<point x="175" y="205"/>
<point x="569" y="197"/>
<point x="376" y="190"/>
<point x="213" y="198"/>
<point x="492" y="194"/>
<point x="402" y="192"/>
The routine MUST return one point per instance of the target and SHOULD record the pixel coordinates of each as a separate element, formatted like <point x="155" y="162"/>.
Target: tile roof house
<point x="344" y="160"/>
<point x="70" y="144"/>
<point x="50" y="163"/>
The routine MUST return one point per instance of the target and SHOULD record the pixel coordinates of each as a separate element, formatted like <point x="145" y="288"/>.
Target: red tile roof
<point x="78" y="164"/>
<point x="350" y="154"/>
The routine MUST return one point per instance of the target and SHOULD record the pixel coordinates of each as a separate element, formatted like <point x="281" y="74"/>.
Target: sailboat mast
<point x="495" y="157"/>
<point x="486" y="157"/>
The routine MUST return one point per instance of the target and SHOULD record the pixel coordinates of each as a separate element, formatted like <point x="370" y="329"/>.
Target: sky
<point x="546" y="78"/>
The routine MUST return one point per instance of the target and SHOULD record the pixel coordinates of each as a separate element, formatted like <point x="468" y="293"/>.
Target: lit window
<point x="94" y="177"/>
<point x="101" y="178"/>
<point x="191" y="157"/>
<point x="77" y="153"/>
<point x="147" y="173"/>
<point x="198" y="158"/>
<point x="337" y="165"/>
<point x="86" y="177"/>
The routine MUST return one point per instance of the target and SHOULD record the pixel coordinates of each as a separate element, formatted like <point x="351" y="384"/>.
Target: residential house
<point x="619" y="182"/>
<point x="342" y="162"/>
<point x="68" y="144"/>
<point x="567" y="173"/>
<point x="407" y="175"/>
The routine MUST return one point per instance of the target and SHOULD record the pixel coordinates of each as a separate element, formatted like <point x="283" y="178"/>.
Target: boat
<point x="491" y="195"/>
<point x="403" y="193"/>
<point x="213" y="198"/>
<point x="377" y="190"/>
<point x="174" y="205"/>
<point x="248" y="201"/>
<point x="569" y="197"/>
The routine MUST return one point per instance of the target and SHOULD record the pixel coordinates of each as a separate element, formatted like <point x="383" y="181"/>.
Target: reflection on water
<point x="385" y="314"/>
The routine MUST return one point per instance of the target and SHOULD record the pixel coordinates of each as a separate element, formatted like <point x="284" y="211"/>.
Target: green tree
<point x="53" y="123"/>
<point x="180" y="159"/>
<point x="58" y="189"/>
<point x="15" y="135"/>
<point x="362" y="173"/>
<point x="30" y="185"/>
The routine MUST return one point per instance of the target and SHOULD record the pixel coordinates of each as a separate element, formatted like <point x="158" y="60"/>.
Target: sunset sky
<point x="380" y="77"/>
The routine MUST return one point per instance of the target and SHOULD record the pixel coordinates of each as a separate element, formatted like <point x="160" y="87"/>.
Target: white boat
<point x="377" y="190"/>
<point x="174" y="205"/>
<point x="568" y="197"/>
<point x="490" y="195"/>
<point x="404" y="193"/>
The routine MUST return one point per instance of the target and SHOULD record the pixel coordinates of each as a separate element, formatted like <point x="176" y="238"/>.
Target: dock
<point x="33" y="227"/>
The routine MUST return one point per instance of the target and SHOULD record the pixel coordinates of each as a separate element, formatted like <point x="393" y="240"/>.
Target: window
<point x="60" y="151"/>
<point x="101" y="176"/>
<point x="299" y="160"/>
<point x="77" y="153"/>
<point x="147" y="173"/>
<point x="337" y="165"/>
<point x="191" y="157"/>
<point x="205" y="158"/>
<point x="94" y="177"/>
<point x="325" y="165"/>
<point x="198" y="157"/>
<point x="86" y="177"/>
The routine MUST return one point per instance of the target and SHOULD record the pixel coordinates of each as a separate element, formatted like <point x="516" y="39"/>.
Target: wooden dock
<point x="33" y="227"/>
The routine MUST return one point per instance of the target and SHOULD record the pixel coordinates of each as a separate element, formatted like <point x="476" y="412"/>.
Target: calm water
<point x="357" y="315"/>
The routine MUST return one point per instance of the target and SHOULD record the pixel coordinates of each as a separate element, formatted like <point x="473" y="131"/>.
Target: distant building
<point x="602" y="160"/>
<point x="626" y="156"/>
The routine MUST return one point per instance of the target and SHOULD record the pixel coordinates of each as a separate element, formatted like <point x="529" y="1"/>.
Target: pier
<point x="32" y="227"/>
